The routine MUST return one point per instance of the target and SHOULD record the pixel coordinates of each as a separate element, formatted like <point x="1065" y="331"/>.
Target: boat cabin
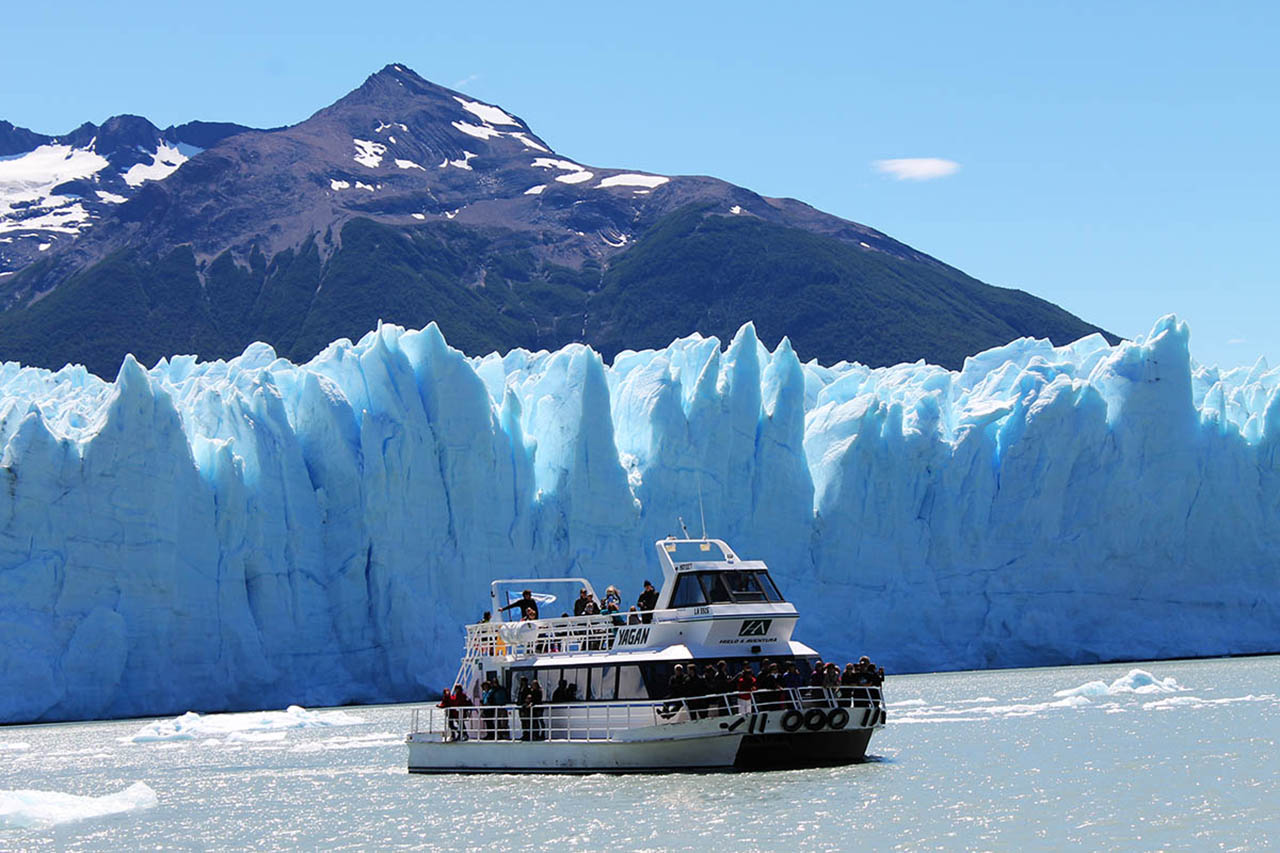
<point x="712" y="606"/>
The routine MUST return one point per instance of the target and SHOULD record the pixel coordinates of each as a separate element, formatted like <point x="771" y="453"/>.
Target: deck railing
<point x="561" y="635"/>
<point x="592" y="721"/>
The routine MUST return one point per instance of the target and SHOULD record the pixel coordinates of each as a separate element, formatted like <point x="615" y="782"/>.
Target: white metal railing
<point x="562" y="635"/>
<point x="591" y="721"/>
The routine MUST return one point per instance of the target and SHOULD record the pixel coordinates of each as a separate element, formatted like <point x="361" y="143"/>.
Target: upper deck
<point x="711" y="602"/>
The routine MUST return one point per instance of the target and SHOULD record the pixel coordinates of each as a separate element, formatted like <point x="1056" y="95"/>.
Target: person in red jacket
<point x="745" y="684"/>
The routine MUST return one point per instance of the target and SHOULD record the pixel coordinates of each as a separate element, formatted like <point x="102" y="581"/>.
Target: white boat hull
<point x="726" y="743"/>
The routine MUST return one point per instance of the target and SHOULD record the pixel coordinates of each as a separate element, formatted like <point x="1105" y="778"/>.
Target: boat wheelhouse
<point x="620" y="717"/>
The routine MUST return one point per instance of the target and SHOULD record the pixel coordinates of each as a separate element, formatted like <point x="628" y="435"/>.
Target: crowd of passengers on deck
<point x="710" y="691"/>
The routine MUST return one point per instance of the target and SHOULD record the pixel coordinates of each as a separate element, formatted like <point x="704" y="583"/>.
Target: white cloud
<point x="1236" y="341"/>
<point x="916" y="168"/>
<point x="466" y="81"/>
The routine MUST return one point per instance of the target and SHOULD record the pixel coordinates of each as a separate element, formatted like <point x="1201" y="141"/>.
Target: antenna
<point x="701" y="512"/>
<point x="682" y="527"/>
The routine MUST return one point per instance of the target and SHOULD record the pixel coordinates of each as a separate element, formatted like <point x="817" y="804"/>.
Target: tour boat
<point x="712" y="607"/>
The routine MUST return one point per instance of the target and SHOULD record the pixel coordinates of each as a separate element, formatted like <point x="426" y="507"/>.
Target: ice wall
<point x="253" y="533"/>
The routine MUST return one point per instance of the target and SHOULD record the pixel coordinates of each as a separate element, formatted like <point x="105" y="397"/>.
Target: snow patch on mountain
<point x="369" y="153"/>
<point x="486" y="113"/>
<point x="165" y="160"/>
<point x="633" y="180"/>
<point x="27" y="200"/>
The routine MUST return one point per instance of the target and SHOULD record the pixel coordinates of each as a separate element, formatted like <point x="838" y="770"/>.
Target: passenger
<point x="610" y="609"/>
<point x="850" y="678"/>
<point x="768" y="685"/>
<point x="696" y="690"/>
<point x="592" y="607"/>
<point x="830" y="677"/>
<point x="524" y="697"/>
<point x="646" y="602"/>
<point x="745" y="684"/>
<point x="462" y="708"/>
<point x="581" y="603"/>
<point x="719" y="684"/>
<point x="633" y="616"/>
<point x="524" y="604"/>
<point x="677" y="683"/>
<point x="539" y="712"/>
<point x="611" y="593"/>
<point x="573" y="692"/>
<point x="499" y="698"/>
<point x="486" y="617"/>
<point x="450" y="714"/>
<point x="486" y="712"/>
<point x="561" y="693"/>
<point x="815" y="676"/>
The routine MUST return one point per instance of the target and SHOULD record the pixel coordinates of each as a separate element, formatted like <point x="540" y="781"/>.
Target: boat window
<point x="770" y="588"/>
<point x="630" y="684"/>
<point x="725" y="587"/>
<point x="688" y="591"/>
<point x="717" y="590"/>
<point x="744" y="586"/>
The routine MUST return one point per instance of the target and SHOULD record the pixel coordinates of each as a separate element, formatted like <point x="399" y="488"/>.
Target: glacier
<point x="256" y="533"/>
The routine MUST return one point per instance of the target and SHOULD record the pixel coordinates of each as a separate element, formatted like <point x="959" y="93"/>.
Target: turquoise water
<point x="979" y="760"/>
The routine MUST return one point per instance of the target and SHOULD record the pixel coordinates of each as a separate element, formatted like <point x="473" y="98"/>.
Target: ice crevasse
<point x="255" y="533"/>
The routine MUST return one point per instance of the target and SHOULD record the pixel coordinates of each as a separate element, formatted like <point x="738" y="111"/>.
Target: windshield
<point x="734" y="586"/>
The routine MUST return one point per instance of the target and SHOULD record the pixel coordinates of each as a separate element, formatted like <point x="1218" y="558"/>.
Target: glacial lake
<point x="1008" y="759"/>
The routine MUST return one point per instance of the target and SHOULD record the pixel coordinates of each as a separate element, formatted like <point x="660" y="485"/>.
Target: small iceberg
<point x="42" y="809"/>
<point x="1137" y="681"/>
<point x="234" y="726"/>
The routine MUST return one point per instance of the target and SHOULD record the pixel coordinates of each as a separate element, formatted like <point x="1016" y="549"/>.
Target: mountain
<point x="53" y="188"/>
<point x="411" y="203"/>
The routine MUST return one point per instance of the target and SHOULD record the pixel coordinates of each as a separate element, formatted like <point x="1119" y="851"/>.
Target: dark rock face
<point x="409" y="202"/>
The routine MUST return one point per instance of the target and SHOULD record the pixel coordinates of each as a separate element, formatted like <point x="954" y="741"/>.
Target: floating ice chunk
<point x="164" y="162"/>
<point x="25" y="809"/>
<point x="191" y="725"/>
<point x="369" y="153"/>
<point x="1136" y="681"/>
<point x="633" y="180"/>
<point x="486" y="113"/>
<point x="1173" y="702"/>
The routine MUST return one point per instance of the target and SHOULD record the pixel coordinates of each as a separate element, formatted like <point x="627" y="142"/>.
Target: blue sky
<point x="1120" y="160"/>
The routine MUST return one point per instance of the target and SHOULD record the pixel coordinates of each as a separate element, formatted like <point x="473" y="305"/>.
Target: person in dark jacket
<point x="498" y="697"/>
<point x="524" y="698"/>
<point x="581" y="602"/>
<point x="561" y="693"/>
<point x="696" y="690"/>
<point x="718" y="684"/>
<point x="646" y="602"/>
<point x="524" y="604"/>
<point x="539" y="712"/>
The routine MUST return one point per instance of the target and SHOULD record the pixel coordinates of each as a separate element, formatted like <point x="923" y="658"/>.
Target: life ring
<point x="815" y="719"/>
<point x="792" y="720"/>
<point x="838" y="719"/>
